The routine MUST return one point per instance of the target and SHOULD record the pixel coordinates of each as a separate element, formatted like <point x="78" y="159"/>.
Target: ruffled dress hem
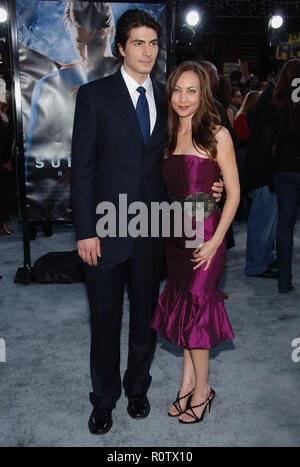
<point x="189" y="320"/>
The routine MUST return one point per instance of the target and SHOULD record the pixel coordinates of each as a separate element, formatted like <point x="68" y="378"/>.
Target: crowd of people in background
<point x="266" y="122"/>
<point x="238" y="94"/>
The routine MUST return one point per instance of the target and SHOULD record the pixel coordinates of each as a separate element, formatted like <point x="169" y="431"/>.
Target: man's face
<point x="237" y="99"/>
<point x="90" y="47"/>
<point x="140" y="52"/>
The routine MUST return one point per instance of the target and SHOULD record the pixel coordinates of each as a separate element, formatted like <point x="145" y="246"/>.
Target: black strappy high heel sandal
<point x="176" y="403"/>
<point x="193" y="415"/>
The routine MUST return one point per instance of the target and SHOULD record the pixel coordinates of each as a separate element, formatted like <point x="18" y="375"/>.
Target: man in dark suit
<point x="118" y="138"/>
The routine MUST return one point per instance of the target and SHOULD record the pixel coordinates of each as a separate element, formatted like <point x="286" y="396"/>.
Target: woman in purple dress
<point x="190" y="311"/>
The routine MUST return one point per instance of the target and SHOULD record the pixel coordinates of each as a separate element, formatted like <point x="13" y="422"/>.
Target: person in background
<point x="242" y="121"/>
<point x="245" y="78"/>
<point x="235" y="79"/>
<point x="236" y="100"/>
<point x="241" y="126"/>
<point x="254" y="81"/>
<point x="262" y="218"/>
<point x="215" y="84"/>
<point x="244" y="69"/>
<point x="262" y="85"/>
<point x="281" y="142"/>
<point x="271" y="77"/>
<point x="225" y="95"/>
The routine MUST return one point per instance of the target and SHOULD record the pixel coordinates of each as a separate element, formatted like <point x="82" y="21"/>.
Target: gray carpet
<point x="45" y="380"/>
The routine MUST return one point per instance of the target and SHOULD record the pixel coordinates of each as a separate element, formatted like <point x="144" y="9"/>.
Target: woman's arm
<point x="227" y="163"/>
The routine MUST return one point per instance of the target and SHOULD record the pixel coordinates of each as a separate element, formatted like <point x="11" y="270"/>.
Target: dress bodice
<point x="185" y="175"/>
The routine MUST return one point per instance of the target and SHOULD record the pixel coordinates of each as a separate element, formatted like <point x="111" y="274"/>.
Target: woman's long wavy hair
<point x="248" y="104"/>
<point x="204" y="120"/>
<point x="289" y="110"/>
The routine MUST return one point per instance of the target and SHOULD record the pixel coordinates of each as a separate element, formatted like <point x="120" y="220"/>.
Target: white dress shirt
<point x="132" y="86"/>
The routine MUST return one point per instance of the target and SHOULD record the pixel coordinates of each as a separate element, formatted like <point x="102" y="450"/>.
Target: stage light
<point x="3" y="15"/>
<point x="276" y="22"/>
<point x="193" y="18"/>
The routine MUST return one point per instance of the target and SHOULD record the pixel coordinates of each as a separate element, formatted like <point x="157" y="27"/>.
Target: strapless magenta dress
<point x="190" y="311"/>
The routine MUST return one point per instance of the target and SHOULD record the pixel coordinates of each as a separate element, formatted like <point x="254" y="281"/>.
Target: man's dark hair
<point x="90" y="16"/>
<point x="133" y="19"/>
<point x="234" y="90"/>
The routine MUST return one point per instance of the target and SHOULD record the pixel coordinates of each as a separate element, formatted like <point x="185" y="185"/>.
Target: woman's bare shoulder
<point x="221" y="133"/>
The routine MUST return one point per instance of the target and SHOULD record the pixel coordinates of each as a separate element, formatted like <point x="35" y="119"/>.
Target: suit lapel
<point x="160" y="123"/>
<point x="125" y="108"/>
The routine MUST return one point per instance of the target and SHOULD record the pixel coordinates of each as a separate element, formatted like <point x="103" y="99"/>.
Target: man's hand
<point x="89" y="249"/>
<point x="218" y="190"/>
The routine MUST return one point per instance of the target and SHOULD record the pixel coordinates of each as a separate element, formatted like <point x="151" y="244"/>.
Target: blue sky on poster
<point x="40" y="26"/>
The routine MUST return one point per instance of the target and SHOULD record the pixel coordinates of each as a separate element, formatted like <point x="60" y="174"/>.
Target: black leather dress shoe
<point x="100" y="421"/>
<point x="138" y="406"/>
<point x="268" y="274"/>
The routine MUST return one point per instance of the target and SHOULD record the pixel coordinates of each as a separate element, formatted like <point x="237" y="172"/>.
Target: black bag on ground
<point x="63" y="267"/>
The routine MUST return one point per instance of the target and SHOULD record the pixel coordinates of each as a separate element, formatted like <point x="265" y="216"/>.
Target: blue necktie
<point x="142" y="110"/>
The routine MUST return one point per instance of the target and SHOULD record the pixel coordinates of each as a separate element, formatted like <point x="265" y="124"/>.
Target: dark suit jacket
<point x="258" y="162"/>
<point x="109" y="157"/>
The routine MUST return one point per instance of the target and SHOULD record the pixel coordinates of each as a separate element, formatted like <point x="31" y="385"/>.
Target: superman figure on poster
<point x="91" y="28"/>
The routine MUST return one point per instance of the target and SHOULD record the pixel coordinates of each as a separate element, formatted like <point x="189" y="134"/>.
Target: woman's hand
<point x="204" y="253"/>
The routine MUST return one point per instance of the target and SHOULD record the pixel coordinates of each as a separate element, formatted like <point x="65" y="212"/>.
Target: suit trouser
<point x="105" y="286"/>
